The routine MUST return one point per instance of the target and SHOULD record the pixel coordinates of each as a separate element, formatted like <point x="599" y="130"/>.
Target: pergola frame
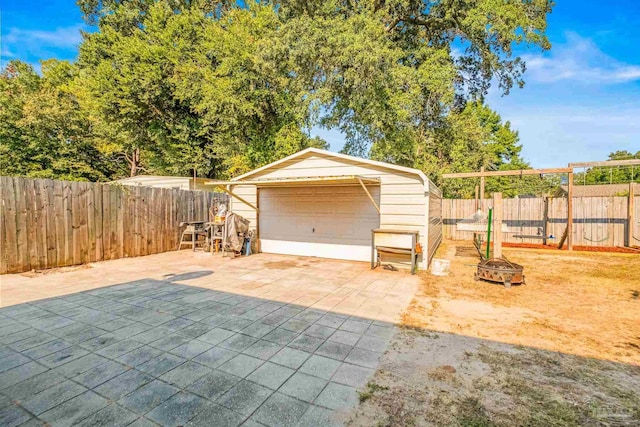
<point x="569" y="171"/>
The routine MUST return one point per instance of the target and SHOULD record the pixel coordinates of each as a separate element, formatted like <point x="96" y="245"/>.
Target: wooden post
<point x="570" y="211"/>
<point x="630" y="214"/>
<point x="489" y="222"/>
<point x="482" y="189"/>
<point x="364" y="187"/>
<point x="497" y="225"/>
<point x="476" y="198"/>
<point x="545" y="220"/>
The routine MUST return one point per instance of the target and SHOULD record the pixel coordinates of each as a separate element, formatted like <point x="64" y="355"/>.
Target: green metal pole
<point x="489" y="231"/>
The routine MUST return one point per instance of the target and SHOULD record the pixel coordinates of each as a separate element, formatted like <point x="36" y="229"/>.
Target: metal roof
<point x="302" y="181"/>
<point x="313" y="150"/>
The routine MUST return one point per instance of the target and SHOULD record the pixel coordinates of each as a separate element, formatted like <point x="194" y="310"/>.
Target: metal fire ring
<point x="500" y="270"/>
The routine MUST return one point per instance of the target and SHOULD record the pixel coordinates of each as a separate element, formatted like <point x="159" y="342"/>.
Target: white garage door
<point x="327" y="222"/>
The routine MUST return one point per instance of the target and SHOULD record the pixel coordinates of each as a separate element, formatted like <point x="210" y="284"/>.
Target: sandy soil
<point x="585" y="304"/>
<point x="564" y="349"/>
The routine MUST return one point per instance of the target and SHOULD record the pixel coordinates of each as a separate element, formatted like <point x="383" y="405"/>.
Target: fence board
<point x="636" y="226"/>
<point x="57" y="210"/>
<point x="40" y="238"/>
<point x="75" y="223"/>
<point x="98" y="216"/>
<point x="22" y="238"/>
<point x="31" y="224"/>
<point x="113" y="221"/>
<point x="51" y="222"/>
<point x="10" y="258"/>
<point x="91" y="230"/>
<point x="3" y="233"/>
<point x="67" y="211"/>
<point x="47" y="223"/>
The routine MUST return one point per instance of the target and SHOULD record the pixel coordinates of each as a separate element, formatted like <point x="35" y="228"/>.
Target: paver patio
<point x="262" y="340"/>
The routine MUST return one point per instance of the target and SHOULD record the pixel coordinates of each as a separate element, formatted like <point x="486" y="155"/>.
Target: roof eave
<point x="418" y="172"/>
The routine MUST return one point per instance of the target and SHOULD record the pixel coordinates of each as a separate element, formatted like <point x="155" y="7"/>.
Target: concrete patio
<point x="192" y="339"/>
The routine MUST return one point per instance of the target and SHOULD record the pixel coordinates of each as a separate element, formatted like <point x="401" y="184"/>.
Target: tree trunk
<point x="134" y="161"/>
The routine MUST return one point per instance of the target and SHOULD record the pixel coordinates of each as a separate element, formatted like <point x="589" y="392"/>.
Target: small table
<point x="216" y="234"/>
<point x="396" y="242"/>
<point x="195" y="228"/>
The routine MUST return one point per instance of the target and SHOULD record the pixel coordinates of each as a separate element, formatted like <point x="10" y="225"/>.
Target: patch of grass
<point x="473" y="414"/>
<point x="371" y="389"/>
<point x="564" y="390"/>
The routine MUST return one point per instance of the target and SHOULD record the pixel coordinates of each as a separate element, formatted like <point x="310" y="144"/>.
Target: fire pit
<point x="500" y="270"/>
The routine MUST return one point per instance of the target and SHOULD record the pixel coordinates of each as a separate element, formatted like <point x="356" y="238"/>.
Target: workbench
<point x="396" y="242"/>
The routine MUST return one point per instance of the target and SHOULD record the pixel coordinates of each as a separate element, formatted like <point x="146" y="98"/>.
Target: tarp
<point x="237" y="228"/>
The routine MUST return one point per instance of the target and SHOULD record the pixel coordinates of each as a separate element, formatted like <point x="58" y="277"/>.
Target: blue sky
<point x="581" y="100"/>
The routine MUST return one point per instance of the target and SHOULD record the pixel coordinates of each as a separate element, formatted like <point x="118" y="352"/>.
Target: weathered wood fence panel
<point x="598" y="221"/>
<point x="46" y="223"/>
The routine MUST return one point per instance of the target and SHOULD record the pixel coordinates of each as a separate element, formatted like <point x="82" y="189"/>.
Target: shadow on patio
<point x="303" y="352"/>
<point x="173" y="354"/>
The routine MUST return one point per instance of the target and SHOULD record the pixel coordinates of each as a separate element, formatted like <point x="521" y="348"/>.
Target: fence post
<point x="570" y="211"/>
<point x="497" y="225"/>
<point x="630" y="214"/>
<point x="482" y="189"/>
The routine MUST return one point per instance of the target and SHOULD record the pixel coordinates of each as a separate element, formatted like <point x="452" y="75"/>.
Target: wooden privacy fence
<point x="597" y="221"/>
<point x="46" y="223"/>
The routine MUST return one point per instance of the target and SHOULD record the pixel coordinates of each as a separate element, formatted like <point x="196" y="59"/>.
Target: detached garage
<point x="325" y="204"/>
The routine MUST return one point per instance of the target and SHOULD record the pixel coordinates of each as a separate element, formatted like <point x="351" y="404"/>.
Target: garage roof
<point x="312" y="150"/>
<point x="303" y="181"/>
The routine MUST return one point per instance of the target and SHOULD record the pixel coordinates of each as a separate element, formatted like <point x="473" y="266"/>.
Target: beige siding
<point x="248" y="193"/>
<point x="201" y="185"/>
<point x="403" y="195"/>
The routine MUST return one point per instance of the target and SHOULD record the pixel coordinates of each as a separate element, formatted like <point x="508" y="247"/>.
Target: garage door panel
<point x="319" y="249"/>
<point x="331" y="222"/>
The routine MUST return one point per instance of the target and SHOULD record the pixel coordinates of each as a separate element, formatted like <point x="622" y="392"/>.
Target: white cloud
<point x="579" y="59"/>
<point x="64" y="37"/>
<point x="32" y="45"/>
<point x="556" y="135"/>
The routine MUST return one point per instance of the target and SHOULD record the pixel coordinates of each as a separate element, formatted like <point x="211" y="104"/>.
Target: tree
<point x="611" y="175"/>
<point x="468" y="140"/>
<point x="221" y="87"/>
<point x="43" y="133"/>
<point x="387" y="72"/>
<point x="192" y="90"/>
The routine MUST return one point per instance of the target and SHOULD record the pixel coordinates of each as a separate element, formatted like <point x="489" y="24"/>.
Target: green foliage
<point x="471" y="139"/>
<point x="214" y="102"/>
<point x="386" y="72"/>
<point x="371" y="389"/>
<point x="222" y="87"/>
<point x="611" y="175"/>
<point x="43" y="133"/>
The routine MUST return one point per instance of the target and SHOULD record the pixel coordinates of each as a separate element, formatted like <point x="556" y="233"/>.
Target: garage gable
<point x="316" y="162"/>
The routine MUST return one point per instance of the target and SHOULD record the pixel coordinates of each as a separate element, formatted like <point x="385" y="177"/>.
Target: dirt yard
<point x="562" y="350"/>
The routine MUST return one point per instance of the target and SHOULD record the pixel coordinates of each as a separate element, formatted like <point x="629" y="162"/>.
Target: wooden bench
<point x="402" y="242"/>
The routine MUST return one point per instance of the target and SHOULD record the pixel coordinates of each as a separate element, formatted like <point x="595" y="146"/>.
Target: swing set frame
<point x="569" y="170"/>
